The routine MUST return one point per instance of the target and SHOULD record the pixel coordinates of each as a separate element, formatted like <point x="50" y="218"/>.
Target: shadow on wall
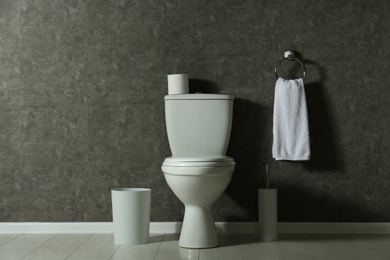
<point x="316" y="205"/>
<point x="202" y="86"/>
<point x="251" y="142"/>
<point x="250" y="147"/>
<point x="325" y="154"/>
<point x="301" y="203"/>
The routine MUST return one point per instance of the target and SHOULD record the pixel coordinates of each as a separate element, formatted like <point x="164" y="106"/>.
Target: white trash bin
<point x="131" y="215"/>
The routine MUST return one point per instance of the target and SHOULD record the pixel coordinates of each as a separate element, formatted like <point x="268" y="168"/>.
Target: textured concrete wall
<point x="81" y="103"/>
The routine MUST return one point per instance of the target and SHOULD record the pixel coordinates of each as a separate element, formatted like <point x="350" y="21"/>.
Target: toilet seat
<point x="199" y="161"/>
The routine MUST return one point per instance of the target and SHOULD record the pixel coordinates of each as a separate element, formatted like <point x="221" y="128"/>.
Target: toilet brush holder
<point x="268" y="214"/>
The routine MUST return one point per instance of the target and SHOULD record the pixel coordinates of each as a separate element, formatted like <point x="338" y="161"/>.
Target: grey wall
<point x="81" y="103"/>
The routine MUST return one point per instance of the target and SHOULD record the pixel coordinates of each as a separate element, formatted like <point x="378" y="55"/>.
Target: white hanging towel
<point x="291" y="128"/>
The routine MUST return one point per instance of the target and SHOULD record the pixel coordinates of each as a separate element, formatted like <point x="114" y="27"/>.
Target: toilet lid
<point x="199" y="161"/>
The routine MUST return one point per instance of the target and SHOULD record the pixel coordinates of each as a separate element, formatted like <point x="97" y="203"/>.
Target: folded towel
<point x="291" y="128"/>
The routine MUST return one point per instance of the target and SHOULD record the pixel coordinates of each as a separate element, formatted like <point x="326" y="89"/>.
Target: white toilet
<point x="198" y="172"/>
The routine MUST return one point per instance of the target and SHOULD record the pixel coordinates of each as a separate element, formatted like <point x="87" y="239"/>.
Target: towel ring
<point x="289" y="55"/>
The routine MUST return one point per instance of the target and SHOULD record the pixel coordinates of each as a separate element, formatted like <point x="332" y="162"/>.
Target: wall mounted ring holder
<point x="289" y="56"/>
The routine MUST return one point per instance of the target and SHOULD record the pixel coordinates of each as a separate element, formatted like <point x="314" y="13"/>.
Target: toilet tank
<point x="198" y="125"/>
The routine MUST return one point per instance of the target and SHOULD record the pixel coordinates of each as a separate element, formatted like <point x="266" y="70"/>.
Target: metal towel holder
<point x="289" y="55"/>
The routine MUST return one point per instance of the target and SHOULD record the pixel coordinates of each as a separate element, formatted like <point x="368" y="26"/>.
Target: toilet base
<point x="198" y="187"/>
<point x="198" y="229"/>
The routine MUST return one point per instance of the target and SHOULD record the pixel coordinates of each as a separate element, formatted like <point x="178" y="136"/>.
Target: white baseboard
<point x="175" y="227"/>
<point x="56" y="227"/>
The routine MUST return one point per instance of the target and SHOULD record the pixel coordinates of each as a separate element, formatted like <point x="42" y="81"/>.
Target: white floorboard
<point x="58" y="248"/>
<point x="97" y="247"/>
<point x="22" y="245"/>
<point x="175" y="227"/>
<point x="229" y="249"/>
<point x="4" y="238"/>
<point x="139" y="252"/>
<point x="358" y="246"/>
<point x="377" y="244"/>
<point x="165" y="247"/>
<point x="170" y="251"/>
<point x="288" y="246"/>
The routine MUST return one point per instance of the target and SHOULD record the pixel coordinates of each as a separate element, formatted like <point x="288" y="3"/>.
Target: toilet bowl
<point x="198" y="184"/>
<point x="198" y="128"/>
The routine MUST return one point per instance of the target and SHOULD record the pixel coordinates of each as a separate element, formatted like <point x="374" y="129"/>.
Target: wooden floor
<point x="160" y="246"/>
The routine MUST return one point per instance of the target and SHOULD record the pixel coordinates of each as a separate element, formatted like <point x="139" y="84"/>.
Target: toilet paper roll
<point x="178" y="84"/>
<point x="268" y="214"/>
